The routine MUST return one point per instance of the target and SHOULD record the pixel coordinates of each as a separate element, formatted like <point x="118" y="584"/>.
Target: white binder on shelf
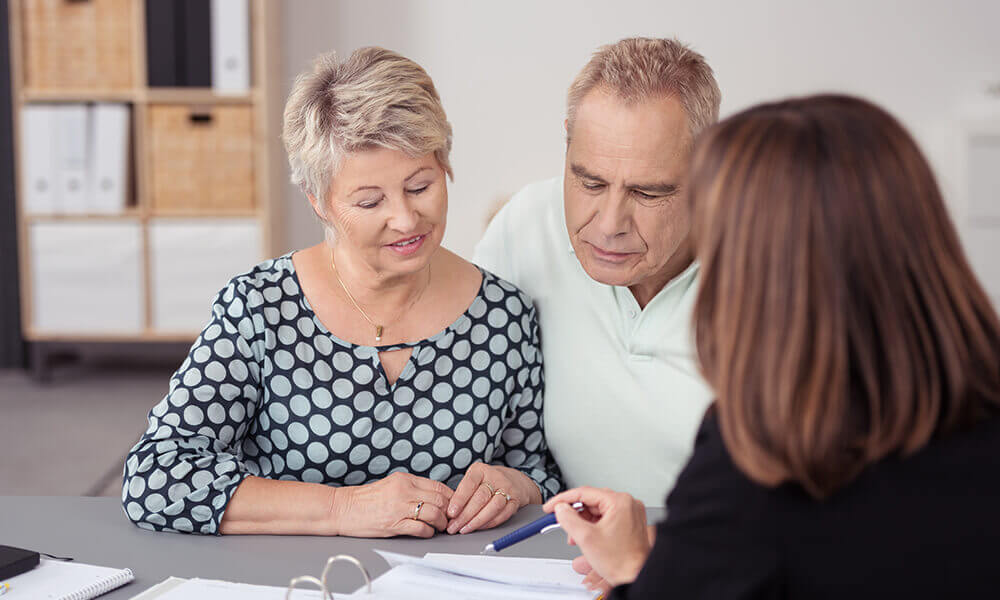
<point x="230" y="46"/>
<point x="71" y="146"/>
<point x="109" y="158"/>
<point x="37" y="159"/>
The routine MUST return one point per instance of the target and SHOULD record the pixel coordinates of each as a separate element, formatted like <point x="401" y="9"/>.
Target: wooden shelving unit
<point x="262" y="100"/>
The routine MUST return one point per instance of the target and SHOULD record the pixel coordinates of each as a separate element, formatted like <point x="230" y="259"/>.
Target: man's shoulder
<point x="547" y="192"/>
<point x="536" y="207"/>
<point x="525" y="234"/>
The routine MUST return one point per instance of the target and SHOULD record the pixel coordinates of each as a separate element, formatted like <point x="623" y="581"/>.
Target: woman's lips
<point x="407" y="246"/>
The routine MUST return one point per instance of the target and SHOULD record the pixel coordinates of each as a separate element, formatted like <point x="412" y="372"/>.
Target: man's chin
<point x="608" y="274"/>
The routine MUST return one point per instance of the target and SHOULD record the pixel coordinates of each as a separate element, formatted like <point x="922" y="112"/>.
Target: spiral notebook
<point x="57" y="580"/>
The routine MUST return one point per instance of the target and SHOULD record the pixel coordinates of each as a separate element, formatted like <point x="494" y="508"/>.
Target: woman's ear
<point x="317" y="208"/>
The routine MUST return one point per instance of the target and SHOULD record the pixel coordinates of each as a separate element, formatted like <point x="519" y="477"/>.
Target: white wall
<point x="502" y="69"/>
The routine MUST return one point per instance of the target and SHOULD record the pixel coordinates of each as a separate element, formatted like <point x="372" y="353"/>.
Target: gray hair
<point x="637" y="69"/>
<point x="374" y="98"/>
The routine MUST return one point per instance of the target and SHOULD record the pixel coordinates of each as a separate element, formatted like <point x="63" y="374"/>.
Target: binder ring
<point x="307" y="579"/>
<point x="321" y="583"/>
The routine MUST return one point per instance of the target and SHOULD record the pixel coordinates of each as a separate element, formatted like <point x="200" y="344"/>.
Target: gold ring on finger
<point x="416" y="511"/>
<point x="500" y="492"/>
<point x="490" y="488"/>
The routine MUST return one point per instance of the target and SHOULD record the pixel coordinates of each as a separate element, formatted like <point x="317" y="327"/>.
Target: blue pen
<point x="543" y="525"/>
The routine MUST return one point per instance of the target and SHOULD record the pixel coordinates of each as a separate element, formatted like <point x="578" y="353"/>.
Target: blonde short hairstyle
<point x="373" y="99"/>
<point x="638" y="69"/>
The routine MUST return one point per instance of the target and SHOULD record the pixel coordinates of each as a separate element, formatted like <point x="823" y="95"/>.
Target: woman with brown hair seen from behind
<point x="854" y="447"/>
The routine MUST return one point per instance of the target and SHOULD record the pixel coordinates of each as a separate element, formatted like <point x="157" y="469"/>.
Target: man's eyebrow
<point x="584" y="174"/>
<point x="656" y="189"/>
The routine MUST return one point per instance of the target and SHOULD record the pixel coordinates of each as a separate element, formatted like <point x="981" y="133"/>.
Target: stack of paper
<point x="460" y="576"/>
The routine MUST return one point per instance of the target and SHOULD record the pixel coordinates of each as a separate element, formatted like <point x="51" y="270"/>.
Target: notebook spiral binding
<point x="321" y="581"/>
<point x="102" y="587"/>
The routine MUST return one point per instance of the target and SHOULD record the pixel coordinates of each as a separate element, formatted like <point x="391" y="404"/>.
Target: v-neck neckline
<point x="371" y="352"/>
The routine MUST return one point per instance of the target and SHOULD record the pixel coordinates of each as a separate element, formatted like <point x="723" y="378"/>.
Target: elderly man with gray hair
<point x="604" y="252"/>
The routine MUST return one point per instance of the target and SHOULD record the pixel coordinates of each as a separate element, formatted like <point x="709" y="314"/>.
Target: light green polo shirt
<point x="623" y="395"/>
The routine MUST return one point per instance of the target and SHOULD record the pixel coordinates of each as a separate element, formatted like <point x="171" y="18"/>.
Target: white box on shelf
<point x="230" y="46"/>
<point x="109" y="154"/>
<point x="86" y="277"/>
<point x="190" y="261"/>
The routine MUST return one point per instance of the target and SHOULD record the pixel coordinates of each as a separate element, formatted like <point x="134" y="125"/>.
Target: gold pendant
<point x="378" y="333"/>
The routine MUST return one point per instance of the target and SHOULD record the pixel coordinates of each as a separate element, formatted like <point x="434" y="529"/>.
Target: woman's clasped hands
<point x="405" y="504"/>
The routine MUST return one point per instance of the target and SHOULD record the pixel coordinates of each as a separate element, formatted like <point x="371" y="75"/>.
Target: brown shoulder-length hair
<point x="838" y="320"/>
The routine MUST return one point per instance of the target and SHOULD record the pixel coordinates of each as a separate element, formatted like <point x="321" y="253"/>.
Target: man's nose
<point x="614" y="216"/>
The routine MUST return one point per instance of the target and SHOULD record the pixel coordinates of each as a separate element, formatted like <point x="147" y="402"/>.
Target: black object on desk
<point x="14" y="561"/>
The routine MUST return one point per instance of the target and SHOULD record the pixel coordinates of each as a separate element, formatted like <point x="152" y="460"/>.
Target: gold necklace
<point x="378" y="328"/>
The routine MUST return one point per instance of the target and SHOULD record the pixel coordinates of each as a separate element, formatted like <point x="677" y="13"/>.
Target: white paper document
<point x="447" y="576"/>
<point x="510" y="570"/>
<point x="208" y="589"/>
<point x="417" y="582"/>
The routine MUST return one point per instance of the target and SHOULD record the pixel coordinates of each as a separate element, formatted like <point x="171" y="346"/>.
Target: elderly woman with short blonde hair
<point x="372" y="385"/>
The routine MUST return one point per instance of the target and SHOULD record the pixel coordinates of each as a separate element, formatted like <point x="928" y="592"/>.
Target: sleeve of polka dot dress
<point x="186" y="466"/>
<point x="522" y="443"/>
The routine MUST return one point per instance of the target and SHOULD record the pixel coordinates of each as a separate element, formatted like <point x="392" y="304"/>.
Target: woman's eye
<point x="369" y="203"/>
<point x="419" y="190"/>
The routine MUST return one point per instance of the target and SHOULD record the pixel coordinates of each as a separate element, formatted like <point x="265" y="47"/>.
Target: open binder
<point x="321" y="581"/>
<point x="434" y="576"/>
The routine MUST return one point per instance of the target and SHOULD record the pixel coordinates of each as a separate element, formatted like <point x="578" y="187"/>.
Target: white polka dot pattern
<point x="267" y="391"/>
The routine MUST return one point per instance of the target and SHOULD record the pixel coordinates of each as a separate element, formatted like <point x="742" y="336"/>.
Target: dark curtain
<point x="12" y="353"/>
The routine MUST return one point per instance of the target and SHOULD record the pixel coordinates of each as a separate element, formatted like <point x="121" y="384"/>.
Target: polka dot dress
<point x="267" y="391"/>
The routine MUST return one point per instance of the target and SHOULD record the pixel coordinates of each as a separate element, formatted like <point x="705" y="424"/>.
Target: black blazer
<point x="927" y="526"/>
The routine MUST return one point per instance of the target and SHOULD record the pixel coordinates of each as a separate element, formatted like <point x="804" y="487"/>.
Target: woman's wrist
<point x="530" y="493"/>
<point x="339" y="505"/>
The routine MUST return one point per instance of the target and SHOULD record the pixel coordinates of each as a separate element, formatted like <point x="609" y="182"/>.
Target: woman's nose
<point x="404" y="216"/>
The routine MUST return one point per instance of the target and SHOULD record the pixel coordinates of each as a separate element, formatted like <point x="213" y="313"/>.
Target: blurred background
<point x="141" y="165"/>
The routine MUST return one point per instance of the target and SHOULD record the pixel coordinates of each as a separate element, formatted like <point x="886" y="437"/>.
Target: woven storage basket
<point x="201" y="159"/>
<point x="78" y="45"/>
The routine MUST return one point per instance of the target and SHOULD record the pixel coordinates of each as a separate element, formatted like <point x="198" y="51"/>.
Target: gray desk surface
<point x="95" y="531"/>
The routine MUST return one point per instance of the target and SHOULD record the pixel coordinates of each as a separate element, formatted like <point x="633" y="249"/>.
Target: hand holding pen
<point x="610" y="531"/>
